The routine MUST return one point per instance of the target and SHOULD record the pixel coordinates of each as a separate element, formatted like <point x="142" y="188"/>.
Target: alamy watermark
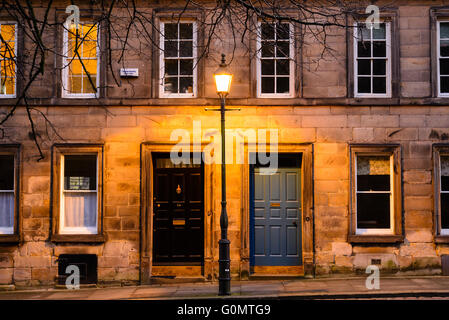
<point x="265" y="142"/>
<point x="373" y="19"/>
<point x="74" y="18"/>
<point x="373" y="280"/>
<point x="72" y="281"/>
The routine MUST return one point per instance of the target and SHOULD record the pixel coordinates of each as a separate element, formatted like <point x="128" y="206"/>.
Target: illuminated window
<point x="81" y="61"/>
<point x="178" y="60"/>
<point x="8" y="60"/>
<point x="275" y="64"/>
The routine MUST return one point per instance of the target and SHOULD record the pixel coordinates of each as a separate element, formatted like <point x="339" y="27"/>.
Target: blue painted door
<point x="276" y="218"/>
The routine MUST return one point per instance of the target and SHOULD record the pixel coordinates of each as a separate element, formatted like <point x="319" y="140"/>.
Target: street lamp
<point x="223" y="80"/>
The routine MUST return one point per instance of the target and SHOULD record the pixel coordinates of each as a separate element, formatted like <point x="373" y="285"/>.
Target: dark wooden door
<point x="178" y="215"/>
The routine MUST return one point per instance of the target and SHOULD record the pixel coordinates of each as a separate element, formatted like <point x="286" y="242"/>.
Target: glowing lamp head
<point x="223" y="77"/>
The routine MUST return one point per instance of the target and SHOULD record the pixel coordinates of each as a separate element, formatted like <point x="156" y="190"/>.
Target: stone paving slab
<point x="244" y="289"/>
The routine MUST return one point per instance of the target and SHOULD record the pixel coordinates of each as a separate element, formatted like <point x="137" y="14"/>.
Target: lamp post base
<point x="224" y="278"/>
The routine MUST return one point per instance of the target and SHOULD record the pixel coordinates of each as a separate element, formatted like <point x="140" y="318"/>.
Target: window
<point x="372" y="62"/>
<point x="81" y="61"/>
<point x="275" y="61"/>
<point x="79" y="196"/>
<point x="8" y="54"/>
<point x="178" y="60"/>
<point x="7" y="193"/>
<point x="77" y="192"/>
<point x="376" y="196"/>
<point x="441" y="158"/>
<point x="443" y="58"/>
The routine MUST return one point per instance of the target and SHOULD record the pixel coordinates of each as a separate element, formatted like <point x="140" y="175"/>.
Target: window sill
<point x="9" y="238"/>
<point x="83" y="238"/>
<point x="375" y="238"/>
<point x="441" y="239"/>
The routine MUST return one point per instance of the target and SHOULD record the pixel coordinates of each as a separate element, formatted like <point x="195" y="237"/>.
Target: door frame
<point x="146" y="212"/>
<point x="306" y="151"/>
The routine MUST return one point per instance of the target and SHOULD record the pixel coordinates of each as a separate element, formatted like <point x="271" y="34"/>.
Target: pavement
<point x="323" y="288"/>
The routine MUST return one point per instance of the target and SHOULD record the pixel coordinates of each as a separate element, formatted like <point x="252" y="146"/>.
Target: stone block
<point x="341" y="248"/>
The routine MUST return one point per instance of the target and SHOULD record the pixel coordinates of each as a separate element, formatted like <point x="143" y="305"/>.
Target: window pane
<point x="80" y="209"/>
<point x="186" y="31"/>
<point x="267" y="67"/>
<point x="364" y="85"/>
<point x="282" y="49"/>
<point x="364" y="49"/>
<point x="364" y="67"/>
<point x="444" y="66"/>
<point x="75" y="84"/>
<point x="379" y="49"/>
<point x="171" y="67"/>
<point x="170" y="31"/>
<point x="90" y="32"/>
<point x="373" y="173"/>
<point x="6" y="209"/>
<point x="89" y="49"/>
<point x="379" y="33"/>
<point x="8" y="32"/>
<point x="267" y="49"/>
<point x="444" y="30"/>
<point x="186" y="66"/>
<point x="6" y="172"/>
<point x="80" y="172"/>
<point x="283" y="31"/>
<point x="171" y="48"/>
<point x="379" y="85"/>
<point x="282" y="67"/>
<point x="444" y="48"/>
<point x="444" y="163"/>
<point x="444" y="84"/>
<point x="267" y="85"/>
<point x="282" y="85"/>
<point x="90" y="66"/>
<point x="7" y="85"/>
<point x="363" y="33"/>
<point x="89" y="85"/>
<point x="75" y="67"/>
<point x="445" y="210"/>
<point x="171" y="84"/>
<point x="186" y="85"/>
<point x="379" y="66"/>
<point x="373" y="211"/>
<point x="186" y="49"/>
<point x="267" y="31"/>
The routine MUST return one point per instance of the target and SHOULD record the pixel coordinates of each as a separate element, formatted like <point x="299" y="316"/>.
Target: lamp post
<point x="223" y="80"/>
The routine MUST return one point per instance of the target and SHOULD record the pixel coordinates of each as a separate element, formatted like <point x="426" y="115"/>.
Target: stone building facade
<point x="323" y="122"/>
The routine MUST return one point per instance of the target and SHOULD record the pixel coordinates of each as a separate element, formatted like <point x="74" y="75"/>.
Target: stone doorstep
<point x="275" y="277"/>
<point x="7" y="287"/>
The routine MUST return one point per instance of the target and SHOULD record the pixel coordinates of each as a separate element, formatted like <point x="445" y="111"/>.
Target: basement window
<point x="86" y="264"/>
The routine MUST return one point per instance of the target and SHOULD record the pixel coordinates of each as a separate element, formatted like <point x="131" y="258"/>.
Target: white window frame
<point x="387" y="94"/>
<point x="76" y="230"/>
<point x="291" y="66"/>
<point x="9" y="96"/>
<point x="10" y="230"/>
<point x="440" y="94"/>
<point x="377" y="231"/>
<point x="162" y="92"/>
<point x="65" y="65"/>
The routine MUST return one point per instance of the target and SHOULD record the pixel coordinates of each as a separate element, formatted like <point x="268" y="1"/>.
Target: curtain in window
<point x="80" y="209"/>
<point x="6" y="209"/>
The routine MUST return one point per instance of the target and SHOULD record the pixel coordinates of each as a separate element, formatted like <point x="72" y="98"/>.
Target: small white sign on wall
<point x="129" y="72"/>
